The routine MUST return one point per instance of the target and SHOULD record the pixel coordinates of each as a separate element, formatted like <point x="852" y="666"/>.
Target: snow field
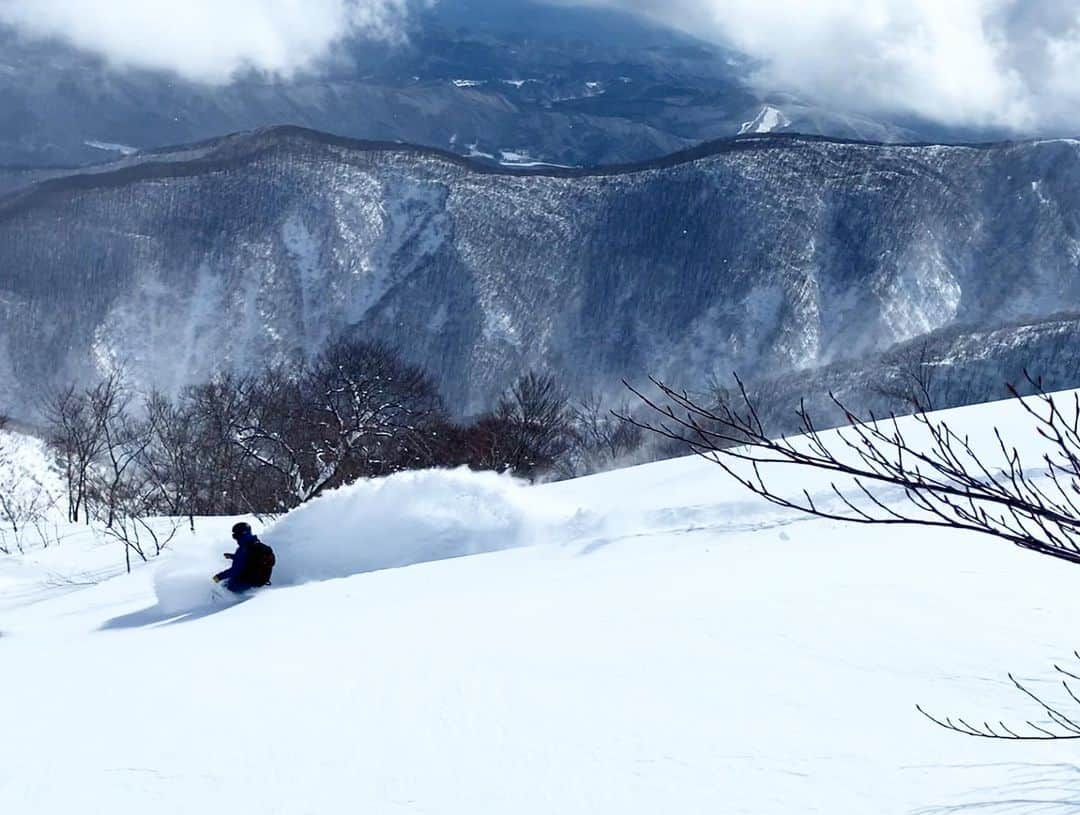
<point x="649" y="640"/>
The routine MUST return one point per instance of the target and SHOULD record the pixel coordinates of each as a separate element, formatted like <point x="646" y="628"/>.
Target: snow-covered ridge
<point x="110" y="147"/>
<point x="183" y="160"/>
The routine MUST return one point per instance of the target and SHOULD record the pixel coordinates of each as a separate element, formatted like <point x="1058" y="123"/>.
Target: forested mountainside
<point x="761" y="254"/>
<point x="947" y="368"/>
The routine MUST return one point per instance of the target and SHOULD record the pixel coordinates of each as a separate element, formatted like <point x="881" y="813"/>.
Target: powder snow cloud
<point x="207" y="40"/>
<point x="1003" y="63"/>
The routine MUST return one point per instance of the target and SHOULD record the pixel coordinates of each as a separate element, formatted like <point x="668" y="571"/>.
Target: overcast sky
<point x="1013" y="63"/>
<point x="207" y="40"/>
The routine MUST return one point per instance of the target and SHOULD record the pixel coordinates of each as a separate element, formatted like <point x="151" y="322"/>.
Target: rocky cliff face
<point x="764" y="254"/>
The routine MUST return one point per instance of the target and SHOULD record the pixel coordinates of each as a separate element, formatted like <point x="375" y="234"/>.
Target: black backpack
<point x="261" y="563"/>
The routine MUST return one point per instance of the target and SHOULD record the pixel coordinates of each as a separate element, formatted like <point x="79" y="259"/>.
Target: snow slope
<point x="31" y="489"/>
<point x="769" y="119"/>
<point x="650" y="640"/>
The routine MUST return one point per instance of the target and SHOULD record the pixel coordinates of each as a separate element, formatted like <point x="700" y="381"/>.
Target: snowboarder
<point x="252" y="563"/>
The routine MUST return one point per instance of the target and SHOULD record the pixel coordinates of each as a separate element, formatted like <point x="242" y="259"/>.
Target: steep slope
<point x="761" y="254"/>
<point x="670" y="647"/>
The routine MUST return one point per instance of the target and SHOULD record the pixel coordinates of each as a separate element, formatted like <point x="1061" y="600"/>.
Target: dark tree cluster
<point x="271" y="441"/>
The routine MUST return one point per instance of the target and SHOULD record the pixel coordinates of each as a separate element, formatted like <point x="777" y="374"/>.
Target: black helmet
<point x="241" y="530"/>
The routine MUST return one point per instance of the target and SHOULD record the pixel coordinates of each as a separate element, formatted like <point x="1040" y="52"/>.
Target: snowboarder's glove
<point x="216" y="578"/>
<point x="229" y="556"/>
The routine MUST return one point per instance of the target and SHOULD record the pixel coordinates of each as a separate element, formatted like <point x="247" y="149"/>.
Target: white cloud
<point x="997" y="63"/>
<point x="1006" y="63"/>
<point x="206" y="40"/>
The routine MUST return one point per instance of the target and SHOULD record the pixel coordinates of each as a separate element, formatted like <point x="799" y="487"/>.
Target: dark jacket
<point x="240" y="575"/>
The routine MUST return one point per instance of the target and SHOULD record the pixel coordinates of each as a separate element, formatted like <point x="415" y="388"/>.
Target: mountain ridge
<point x="157" y="162"/>
<point x="764" y="252"/>
<point x="703" y="150"/>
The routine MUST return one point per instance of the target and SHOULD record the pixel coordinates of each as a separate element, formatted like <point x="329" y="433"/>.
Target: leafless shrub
<point x="140" y="534"/>
<point x="912" y="379"/>
<point x="1054" y="724"/>
<point x="599" y="439"/>
<point x="945" y="481"/>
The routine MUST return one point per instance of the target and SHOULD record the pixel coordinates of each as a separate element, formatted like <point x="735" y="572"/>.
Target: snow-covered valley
<point x="648" y="640"/>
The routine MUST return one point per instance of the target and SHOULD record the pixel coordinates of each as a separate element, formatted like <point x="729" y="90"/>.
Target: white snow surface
<point x="112" y="147"/>
<point x="31" y="489"/>
<point x="652" y="640"/>
<point x="768" y="119"/>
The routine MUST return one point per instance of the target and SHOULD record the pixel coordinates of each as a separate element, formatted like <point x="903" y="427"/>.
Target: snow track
<point x="422" y="517"/>
<point x="409" y="518"/>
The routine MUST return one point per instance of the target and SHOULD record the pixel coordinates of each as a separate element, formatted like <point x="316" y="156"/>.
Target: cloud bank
<point x="1011" y="64"/>
<point x="207" y="40"/>
<point x="982" y="63"/>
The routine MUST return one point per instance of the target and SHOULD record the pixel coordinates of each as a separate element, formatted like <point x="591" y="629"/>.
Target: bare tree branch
<point x="946" y="482"/>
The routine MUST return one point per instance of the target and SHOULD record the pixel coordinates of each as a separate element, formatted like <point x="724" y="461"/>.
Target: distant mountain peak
<point x="769" y="119"/>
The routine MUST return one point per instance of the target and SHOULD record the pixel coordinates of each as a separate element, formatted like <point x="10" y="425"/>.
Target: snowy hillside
<point x="645" y="641"/>
<point x="30" y="493"/>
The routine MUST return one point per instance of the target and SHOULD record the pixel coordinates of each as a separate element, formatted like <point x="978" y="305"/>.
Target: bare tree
<point x="371" y="410"/>
<point x="911" y="381"/>
<point x="227" y="478"/>
<point x="105" y="454"/>
<point x="357" y="411"/>
<point x="944" y="480"/>
<point x="174" y="458"/>
<point x="76" y="437"/>
<point x="1055" y="724"/>
<point x="599" y="438"/>
<point x="124" y="491"/>
<point x="124" y="441"/>
<point x="531" y="427"/>
<point x="271" y="430"/>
